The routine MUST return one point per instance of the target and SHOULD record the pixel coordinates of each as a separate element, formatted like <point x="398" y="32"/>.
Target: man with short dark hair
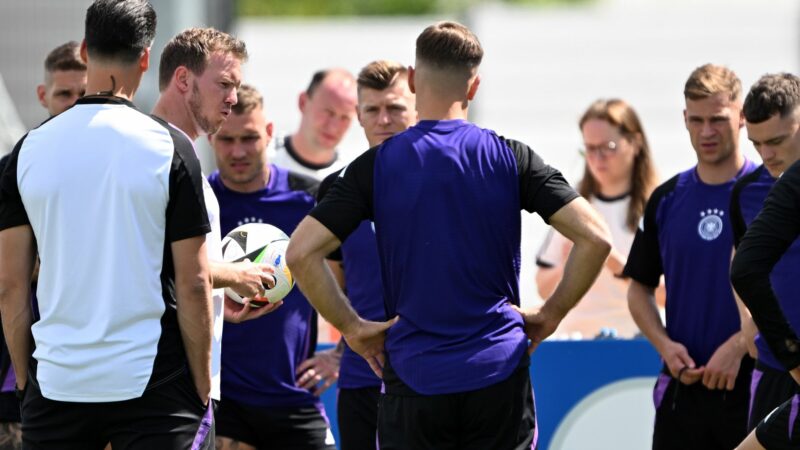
<point x="445" y="197"/>
<point x="64" y="78"/>
<point x="765" y="268"/>
<point x="701" y="395"/>
<point x="327" y="108"/>
<point x="114" y="200"/>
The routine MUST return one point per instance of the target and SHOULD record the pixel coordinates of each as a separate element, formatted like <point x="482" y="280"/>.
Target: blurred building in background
<point x="543" y="64"/>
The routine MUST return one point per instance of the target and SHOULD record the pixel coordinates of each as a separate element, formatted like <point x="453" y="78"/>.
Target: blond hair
<point x="192" y="48"/>
<point x="710" y="79"/>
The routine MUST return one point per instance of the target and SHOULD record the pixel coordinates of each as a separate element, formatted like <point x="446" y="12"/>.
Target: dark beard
<point x="195" y="107"/>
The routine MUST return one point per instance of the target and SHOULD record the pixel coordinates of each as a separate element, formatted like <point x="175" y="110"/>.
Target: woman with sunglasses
<point x="618" y="179"/>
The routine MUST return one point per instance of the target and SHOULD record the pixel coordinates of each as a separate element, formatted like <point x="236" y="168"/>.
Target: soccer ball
<point x="260" y="243"/>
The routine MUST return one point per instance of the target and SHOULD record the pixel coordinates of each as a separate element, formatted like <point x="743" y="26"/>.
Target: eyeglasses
<point x="607" y="149"/>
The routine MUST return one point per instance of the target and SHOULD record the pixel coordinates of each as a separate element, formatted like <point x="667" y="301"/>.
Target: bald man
<point x="327" y="106"/>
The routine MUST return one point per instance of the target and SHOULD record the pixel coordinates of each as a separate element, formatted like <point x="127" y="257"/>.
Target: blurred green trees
<point x="366" y="7"/>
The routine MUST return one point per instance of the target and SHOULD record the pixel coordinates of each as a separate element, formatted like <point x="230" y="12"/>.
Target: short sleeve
<point x="186" y="210"/>
<point x="324" y="186"/>
<point x="644" y="260"/>
<point x="542" y="189"/>
<point x="348" y="201"/>
<point x="738" y="225"/>
<point x="12" y="210"/>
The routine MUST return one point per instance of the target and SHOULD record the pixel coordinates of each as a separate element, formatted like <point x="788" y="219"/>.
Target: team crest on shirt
<point x="710" y="226"/>
<point x="249" y="220"/>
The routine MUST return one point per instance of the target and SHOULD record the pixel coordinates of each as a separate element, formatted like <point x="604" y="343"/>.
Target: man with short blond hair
<point x="701" y="396"/>
<point x="386" y="106"/>
<point x="196" y="98"/>
<point x="456" y="365"/>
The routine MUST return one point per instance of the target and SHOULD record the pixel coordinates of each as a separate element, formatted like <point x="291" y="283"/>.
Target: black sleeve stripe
<point x="738" y="224"/>
<point x="542" y="189"/>
<point x="300" y="182"/>
<point x="12" y="210"/>
<point x="324" y="186"/>
<point x="186" y="209"/>
<point x="644" y="260"/>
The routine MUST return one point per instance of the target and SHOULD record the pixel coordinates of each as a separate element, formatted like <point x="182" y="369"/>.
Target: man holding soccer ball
<point x="263" y="406"/>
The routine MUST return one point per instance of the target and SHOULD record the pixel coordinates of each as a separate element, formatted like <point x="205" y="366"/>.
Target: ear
<point x="182" y="79"/>
<point x="41" y="91"/>
<point x="302" y="100"/>
<point x="144" y="60"/>
<point x="358" y="114"/>
<point x="685" y="119"/>
<point x="84" y="52"/>
<point x="270" y="130"/>
<point x="473" y="87"/>
<point x="411" y="84"/>
<point x="741" y="118"/>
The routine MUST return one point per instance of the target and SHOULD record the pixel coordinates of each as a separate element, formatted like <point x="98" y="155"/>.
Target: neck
<point x="615" y="188"/>
<point x="173" y="109"/>
<point x="432" y="107"/>
<point x="112" y="80"/>
<point x="309" y="152"/>
<point x="722" y="171"/>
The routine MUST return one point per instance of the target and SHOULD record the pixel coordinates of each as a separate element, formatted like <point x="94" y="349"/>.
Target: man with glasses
<point x="701" y="396"/>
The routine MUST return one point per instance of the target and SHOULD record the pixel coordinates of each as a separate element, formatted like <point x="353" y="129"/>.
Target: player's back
<point x="97" y="183"/>
<point x="447" y="215"/>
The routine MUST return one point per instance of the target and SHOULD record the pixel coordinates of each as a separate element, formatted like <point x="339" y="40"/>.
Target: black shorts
<point x="9" y="407"/>
<point x="769" y="388"/>
<point x="286" y="428"/>
<point x="694" y="417"/>
<point x="357" y="412"/>
<point x="780" y="430"/>
<point x="500" y="416"/>
<point x="169" y="415"/>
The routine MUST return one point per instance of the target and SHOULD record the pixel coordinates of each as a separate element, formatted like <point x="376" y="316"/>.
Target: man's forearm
<point x="224" y="274"/>
<point x="195" y="317"/>
<point x="15" y="307"/>
<point x="643" y="308"/>
<point x="17" y="257"/>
